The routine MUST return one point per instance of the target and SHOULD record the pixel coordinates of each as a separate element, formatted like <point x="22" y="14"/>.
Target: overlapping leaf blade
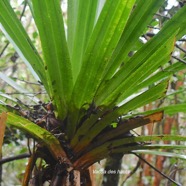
<point x="105" y="37"/>
<point x="174" y="25"/>
<point x="140" y="17"/>
<point x="102" y="42"/>
<point x="161" y="74"/>
<point x="144" y="98"/>
<point x="142" y="64"/>
<point x="49" y="21"/>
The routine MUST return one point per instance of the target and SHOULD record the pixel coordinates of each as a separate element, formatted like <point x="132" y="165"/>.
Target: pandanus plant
<point x="96" y="76"/>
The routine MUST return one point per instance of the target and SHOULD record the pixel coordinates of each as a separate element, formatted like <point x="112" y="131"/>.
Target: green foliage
<point x="95" y="73"/>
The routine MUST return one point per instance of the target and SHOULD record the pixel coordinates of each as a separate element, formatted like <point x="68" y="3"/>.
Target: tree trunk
<point x="112" y="168"/>
<point x="66" y="179"/>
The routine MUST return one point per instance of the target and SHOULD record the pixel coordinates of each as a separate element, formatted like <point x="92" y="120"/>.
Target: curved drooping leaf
<point x="40" y="134"/>
<point x="49" y="21"/>
<point x="16" y="34"/>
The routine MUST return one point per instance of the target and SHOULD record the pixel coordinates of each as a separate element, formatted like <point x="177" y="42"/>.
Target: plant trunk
<point x="68" y="179"/>
<point x="112" y="167"/>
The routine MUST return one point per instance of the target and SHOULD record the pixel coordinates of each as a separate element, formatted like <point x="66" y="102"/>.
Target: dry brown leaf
<point x="3" y="118"/>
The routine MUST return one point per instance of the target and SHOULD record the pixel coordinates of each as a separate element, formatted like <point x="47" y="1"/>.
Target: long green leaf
<point x="140" y="17"/>
<point x="171" y="109"/>
<point x="17" y="35"/>
<point x="49" y="21"/>
<point x="154" y="146"/>
<point x="81" y="21"/>
<point x="148" y="68"/>
<point x="71" y="23"/>
<point x="39" y="133"/>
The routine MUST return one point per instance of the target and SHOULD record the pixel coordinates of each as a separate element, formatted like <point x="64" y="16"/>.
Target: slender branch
<point x="149" y="34"/>
<point x="182" y="49"/>
<point x="33" y="94"/>
<point x="23" y="11"/>
<point x="183" y="39"/>
<point x="157" y="28"/>
<point x="28" y="82"/>
<point x="29" y="169"/>
<point x="163" y="16"/>
<point x="133" y="171"/>
<point x="165" y="176"/>
<point x="18" y="157"/>
<point x="5" y="47"/>
<point x="181" y="60"/>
